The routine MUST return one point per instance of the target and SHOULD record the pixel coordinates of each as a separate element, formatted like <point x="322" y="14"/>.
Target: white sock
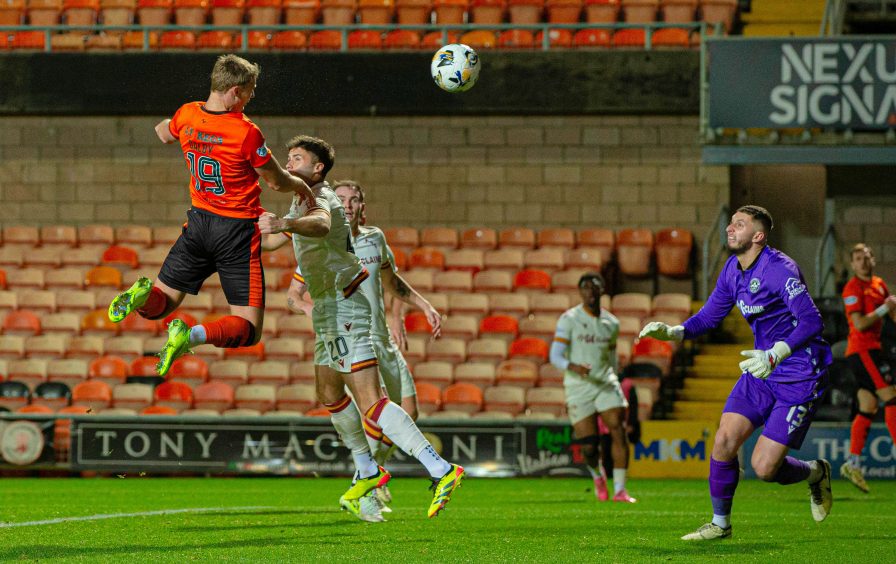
<point x="197" y="335"/>
<point x="618" y="479"/>
<point x="401" y="430"/>
<point x="348" y="425"/>
<point x="723" y="521"/>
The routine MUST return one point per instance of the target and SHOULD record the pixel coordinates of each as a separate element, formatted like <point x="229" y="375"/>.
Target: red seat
<point x="433" y="39"/>
<point x="416" y="322"/>
<point x="427" y="257"/>
<point x="180" y="40"/>
<point x="531" y="348"/>
<point x="480" y="39"/>
<point x="365" y="39"/>
<point x="671" y="37"/>
<point x="256" y="351"/>
<point x="158" y="410"/>
<point x="28" y="40"/>
<point x="629" y="38"/>
<point x="97" y="323"/>
<point x="653" y="351"/>
<point x="144" y="366"/>
<point x="216" y="40"/>
<point x="592" y="38"/>
<point x="94" y="394"/>
<point x="291" y="39"/>
<point x="517" y="39"/>
<point x="327" y="40"/>
<point x="22" y="322"/>
<point x="121" y="255"/>
<point x="557" y="38"/>
<point x="108" y="369"/>
<point x="462" y="396"/>
<point x="176" y="395"/>
<point x="499" y="324"/>
<point x="532" y="280"/>
<point x="402" y="39"/>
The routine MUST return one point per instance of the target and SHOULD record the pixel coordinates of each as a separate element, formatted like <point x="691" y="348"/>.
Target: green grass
<point x="510" y="520"/>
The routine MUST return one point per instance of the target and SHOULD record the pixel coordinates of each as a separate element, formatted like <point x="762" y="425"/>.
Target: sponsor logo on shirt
<point x="262" y="151"/>
<point x="591" y="339"/>
<point x="754" y="285"/>
<point x="747" y="309"/>
<point x="851" y="300"/>
<point x="794" y="287"/>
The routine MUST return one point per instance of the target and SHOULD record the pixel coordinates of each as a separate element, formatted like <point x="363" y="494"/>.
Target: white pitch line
<point x="140" y="514"/>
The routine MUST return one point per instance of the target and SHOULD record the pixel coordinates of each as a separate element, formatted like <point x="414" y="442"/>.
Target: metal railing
<point x="709" y="266"/>
<point x="832" y="19"/>
<point x="649" y="29"/>
<point x="825" y="269"/>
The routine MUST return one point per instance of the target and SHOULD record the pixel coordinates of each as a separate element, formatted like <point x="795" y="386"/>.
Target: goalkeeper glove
<point x="662" y="331"/>
<point x="761" y="363"/>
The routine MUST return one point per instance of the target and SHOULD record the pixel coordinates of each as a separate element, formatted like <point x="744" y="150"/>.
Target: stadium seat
<point x="426" y="258"/>
<point x="559" y="237"/>
<point x="629" y="38"/>
<point x="487" y="349"/>
<point x="28" y="371"/>
<point x="446" y="415"/>
<point x="463" y="397"/>
<point x="216" y="396"/>
<point x="483" y="238"/>
<point x="504" y="259"/>
<point x="95" y="394"/>
<point x="493" y="281"/>
<point x="539" y="326"/>
<point x="338" y="12"/>
<point x="546" y="400"/>
<point x="176" y="395"/>
<point x="517" y="372"/>
<point x="151" y="12"/>
<point x="532" y="280"/>
<point x="138" y="325"/>
<point x="459" y="326"/>
<point x="437" y="373"/>
<point x="103" y="276"/>
<point x="23" y="278"/>
<point x="629" y="326"/>
<point x="436" y="39"/>
<point x="80" y="12"/>
<point x="296" y="326"/>
<point x="327" y="40"/>
<point x="23" y="323"/>
<point x="254" y="352"/>
<point x="515" y="305"/>
<point x="12" y="12"/>
<point x="480" y="38"/>
<point x="429" y="398"/>
<point x="61" y="324"/>
<point x="584" y="259"/>
<point x="517" y="238"/>
<point x="132" y="396"/>
<point x="640" y="11"/>
<point x="549" y="376"/>
<point x="449" y="12"/>
<point x="547" y="259"/>
<point x="678" y="304"/>
<point x="296" y="397"/>
<point x="258" y="40"/>
<point x="375" y="12"/>
<point x="233" y="372"/>
<point x="405" y="238"/>
<point x="158" y="410"/>
<point x="189" y="369"/>
<point x="85" y="347"/>
<point x="55" y="395"/>
<point x="12" y="346"/>
<point x="24" y="236"/>
<point x="144" y="366"/>
<point x="178" y="40"/>
<point x="44" y="12"/>
<point x="11" y="256"/>
<point x="563" y="12"/>
<point x="678" y="11"/>
<point x="557" y="38"/>
<point x="163" y="236"/>
<point x="442" y="238"/>
<point x="525" y="12"/>
<point x="652" y="351"/>
<point x="632" y="304"/>
<point x="117" y="12"/>
<point x="634" y="248"/>
<point x="228" y="12"/>
<point x="14" y="395"/>
<point x="402" y="39"/>
<point x="216" y="40"/>
<point x="29" y="40"/>
<point x="97" y="323"/>
<point x="108" y="369"/>
<point x="69" y="277"/>
<point x="42" y="258"/>
<point x="624" y="351"/>
<point x="476" y="305"/>
<point x="601" y="11"/>
<point x="517" y="38"/>
<point x="69" y="371"/>
<point x="81" y="257"/>
<point x="532" y="349"/>
<point x="591" y="38"/>
<point x="447" y="349"/>
<point x="121" y="256"/>
<point x="263" y="12"/>
<point x="301" y="12"/>
<point x="470" y="260"/>
<point x="8" y="300"/>
<point x="45" y="346"/>
<point x="127" y="347"/>
<point x="486" y="12"/>
<point x="58" y="236"/>
<point x="416" y="322"/>
<point x="673" y="252"/>
<point x="452" y="281"/>
<point x="271" y="372"/>
<point x="415" y="351"/>
<point x="671" y="37"/>
<point x="507" y="399"/>
<point x="481" y="374"/>
<point x="719" y="12"/>
<point x="36" y="409"/>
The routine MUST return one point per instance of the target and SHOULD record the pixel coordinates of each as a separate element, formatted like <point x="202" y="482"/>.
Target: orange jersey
<point x="222" y="150"/>
<point x="864" y="297"/>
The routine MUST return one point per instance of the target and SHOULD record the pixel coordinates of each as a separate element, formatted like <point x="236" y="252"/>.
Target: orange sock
<point x="890" y="419"/>
<point x="859" y="433"/>
<point x="230" y="331"/>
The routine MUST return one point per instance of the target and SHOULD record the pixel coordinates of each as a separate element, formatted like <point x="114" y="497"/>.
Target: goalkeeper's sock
<point x="618" y="480"/>
<point x="155" y="304"/>
<point x="792" y="471"/>
<point x="347" y="421"/>
<point x="723" y="478"/>
<point x="402" y="431"/>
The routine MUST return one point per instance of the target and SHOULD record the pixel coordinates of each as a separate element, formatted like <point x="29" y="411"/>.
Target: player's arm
<point x="163" y="130"/>
<point x="396" y="322"/>
<point x="273" y="241"/>
<point x="559" y="350"/>
<point x="315" y="223"/>
<point x="281" y="181"/>
<point x="863" y="322"/>
<point x="398" y="287"/>
<point x="295" y="298"/>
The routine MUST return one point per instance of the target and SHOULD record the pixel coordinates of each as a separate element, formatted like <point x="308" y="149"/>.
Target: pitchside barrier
<point x="308" y="446"/>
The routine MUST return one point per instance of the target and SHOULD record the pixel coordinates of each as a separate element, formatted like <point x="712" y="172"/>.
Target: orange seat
<point x="671" y="37"/>
<point x="499" y="325"/>
<point x="29" y="39"/>
<point x="557" y="38"/>
<point x="375" y="12"/>
<point x="80" y="12"/>
<point x="532" y="280"/>
<point x="22" y="322"/>
<point x="591" y="38"/>
<point x="327" y="40"/>
<point x="429" y="397"/>
<point x="564" y="11"/>
<point x="158" y="410"/>
<point x="213" y="395"/>
<point x="480" y="39"/>
<point x="133" y="40"/>
<point x="181" y="40"/>
<point x="517" y="39"/>
<point x="449" y="12"/>
<point x="216" y="40"/>
<point x="413" y="12"/>
<point x="263" y="12"/>
<point x="462" y="396"/>
<point x="137" y="324"/>
<point x="12" y="12"/>
<point x="629" y="38"/>
<point x="190" y="370"/>
<point x="255" y="351"/>
<point x="94" y="394"/>
<point x="301" y="12"/>
<point x="601" y="11"/>
<point x="534" y="349"/>
<point x="484" y="238"/>
<point x="436" y="39"/>
<point x="44" y="12"/>
<point x="108" y="369"/>
<point x="289" y="40"/>
<point x="406" y="238"/>
<point x="103" y="276"/>
<point x="518" y="372"/>
<point x="144" y="366"/>
<point x="117" y="254"/>
<point x="175" y="395"/>
<point x="402" y="39"/>
<point x="652" y="351"/>
<point x="427" y="257"/>
<point x="517" y="238"/>
<point x="35" y="408"/>
<point x="97" y="322"/>
<point x="486" y="12"/>
<point x="673" y="252"/>
<point x="634" y="248"/>
<point x="525" y="12"/>
<point x="365" y="39"/>
<point x="416" y="322"/>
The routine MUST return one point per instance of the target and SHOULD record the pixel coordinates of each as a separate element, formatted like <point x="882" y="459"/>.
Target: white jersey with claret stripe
<point x="328" y="265"/>
<point x="374" y="253"/>
<point x="590" y="340"/>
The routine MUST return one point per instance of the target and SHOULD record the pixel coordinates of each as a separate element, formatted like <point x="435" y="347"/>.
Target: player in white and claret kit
<point x="344" y="353"/>
<point x="584" y="348"/>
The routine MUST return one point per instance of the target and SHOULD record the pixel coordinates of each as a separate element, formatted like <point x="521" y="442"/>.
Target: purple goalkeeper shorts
<point x="785" y="409"/>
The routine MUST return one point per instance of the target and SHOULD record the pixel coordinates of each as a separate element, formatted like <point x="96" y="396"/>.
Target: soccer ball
<point x="455" y="67"/>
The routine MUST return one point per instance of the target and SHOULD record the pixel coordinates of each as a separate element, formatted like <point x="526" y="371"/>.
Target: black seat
<point x="14" y="394"/>
<point x="55" y="393"/>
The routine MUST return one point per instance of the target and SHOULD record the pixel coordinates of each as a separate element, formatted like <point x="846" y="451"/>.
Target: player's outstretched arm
<point x="315" y="223"/>
<point x="863" y="322"/>
<point x="662" y="331"/>
<point x="281" y="181"/>
<point x="164" y="132"/>
<point x="295" y="298"/>
<point x="274" y="241"/>
<point x="399" y="287"/>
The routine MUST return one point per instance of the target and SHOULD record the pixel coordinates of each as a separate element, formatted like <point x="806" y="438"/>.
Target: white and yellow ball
<point x="455" y="67"/>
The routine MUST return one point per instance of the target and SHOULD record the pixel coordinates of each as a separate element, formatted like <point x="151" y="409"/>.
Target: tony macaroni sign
<point x="842" y="83"/>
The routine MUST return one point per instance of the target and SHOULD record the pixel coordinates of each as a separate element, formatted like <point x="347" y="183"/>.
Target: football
<point x="455" y="67"/>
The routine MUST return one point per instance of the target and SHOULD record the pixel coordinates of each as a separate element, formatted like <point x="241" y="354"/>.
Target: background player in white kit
<point x="341" y="317"/>
<point x="584" y="348"/>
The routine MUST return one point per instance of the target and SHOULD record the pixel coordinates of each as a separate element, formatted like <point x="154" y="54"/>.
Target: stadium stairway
<point x="776" y="18"/>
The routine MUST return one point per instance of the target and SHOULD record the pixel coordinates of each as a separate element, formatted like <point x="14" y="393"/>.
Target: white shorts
<point x="394" y="371"/>
<point x="584" y="398"/>
<point x="342" y="328"/>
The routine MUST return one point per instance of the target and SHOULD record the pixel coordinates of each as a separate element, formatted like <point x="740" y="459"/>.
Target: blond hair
<point x="230" y="71"/>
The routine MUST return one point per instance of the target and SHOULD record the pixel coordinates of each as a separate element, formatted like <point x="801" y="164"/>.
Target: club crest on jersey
<point x="348" y="326"/>
<point x="851" y="300"/>
<point x="794" y="287"/>
<point x="262" y="151"/>
<point x="754" y="285"/>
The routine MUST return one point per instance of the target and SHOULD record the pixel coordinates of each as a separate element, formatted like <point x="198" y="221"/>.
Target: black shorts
<point x="212" y="243"/>
<point x="871" y="369"/>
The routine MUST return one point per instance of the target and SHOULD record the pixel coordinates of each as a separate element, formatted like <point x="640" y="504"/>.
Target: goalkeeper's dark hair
<point x="595" y="278"/>
<point x="322" y="151"/>
<point x="759" y="214"/>
<point x="354" y="185"/>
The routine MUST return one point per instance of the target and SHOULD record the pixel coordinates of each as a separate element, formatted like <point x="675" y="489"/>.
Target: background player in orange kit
<point x="867" y="301"/>
<point x="225" y="153"/>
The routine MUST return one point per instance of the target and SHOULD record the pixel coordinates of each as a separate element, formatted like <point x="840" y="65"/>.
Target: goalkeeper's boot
<point x="129" y="300"/>
<point x="709" y="531"/>
<point x="820" y="497"/>
<point x="443" y="487"/>
<point x="367" y="508"/>
<point x="624" y="497"/>
<point x="854" y="475"/>
<point x="177" y="345"/>
<point x="363" y="486"/>
<point x="600" y="488"/>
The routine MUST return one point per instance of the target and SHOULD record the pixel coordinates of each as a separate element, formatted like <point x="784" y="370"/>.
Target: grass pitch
<point x="488" y="520"/>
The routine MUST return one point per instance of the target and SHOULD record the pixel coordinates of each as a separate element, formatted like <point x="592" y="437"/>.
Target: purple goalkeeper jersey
<point x="771" y="294"/>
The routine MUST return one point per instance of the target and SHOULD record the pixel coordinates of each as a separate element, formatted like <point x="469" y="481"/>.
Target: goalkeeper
<point x="783" y="379"/>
